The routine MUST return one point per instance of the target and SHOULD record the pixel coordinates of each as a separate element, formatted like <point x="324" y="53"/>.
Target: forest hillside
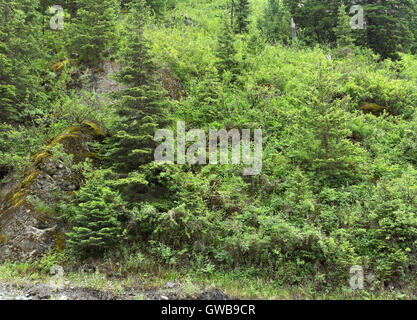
<point x="263" y="147"/>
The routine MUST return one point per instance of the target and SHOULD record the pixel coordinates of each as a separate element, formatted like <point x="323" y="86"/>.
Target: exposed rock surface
<point x="27" y="228"/>
<point x="171" y="84"/>
<point x="40" y="291"/>
<point x="100" y="80"/>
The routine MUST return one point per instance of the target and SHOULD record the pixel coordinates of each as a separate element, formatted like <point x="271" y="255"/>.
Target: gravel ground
<point x="39" y="291"/>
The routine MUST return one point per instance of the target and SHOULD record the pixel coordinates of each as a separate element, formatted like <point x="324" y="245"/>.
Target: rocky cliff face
<point x="27" y="231"/>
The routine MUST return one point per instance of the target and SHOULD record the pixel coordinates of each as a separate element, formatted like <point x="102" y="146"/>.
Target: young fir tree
<point x="322" y="130"/>
<point x="142" y="104"/>
<point x="7" y="88"/>
<point x="157" y="7"/>
<point x="20" y="34"/>
<point x="226" y="52"/>
<point x="242" y="11"/>
<point x="94" y="30"/>
<point x="255" y="44"/>
<point x="275" y="24"/>
<point x="343" y="29"/>
<point x="95" y="217"/>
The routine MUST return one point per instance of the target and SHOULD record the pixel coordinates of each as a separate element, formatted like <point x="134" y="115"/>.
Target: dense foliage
<point x="337" y="108"/>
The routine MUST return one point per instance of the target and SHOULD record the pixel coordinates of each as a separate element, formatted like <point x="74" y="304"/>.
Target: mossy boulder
<point x="375" y="109"/>
<point x="28" y="229"/>
<point x="59" y="66"/>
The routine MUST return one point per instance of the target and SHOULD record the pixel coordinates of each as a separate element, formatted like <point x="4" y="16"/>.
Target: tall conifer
<point x="343" y="29"/>
<point x="94" y="30"/>
<point x="142" y="104"/>
<point x="242" y="16"/>
<point x="226" y="51"/>
<point x="20" y="31"/>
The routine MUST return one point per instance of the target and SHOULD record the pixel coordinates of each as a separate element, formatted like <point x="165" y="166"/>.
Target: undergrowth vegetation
<point x="338" y="186"/>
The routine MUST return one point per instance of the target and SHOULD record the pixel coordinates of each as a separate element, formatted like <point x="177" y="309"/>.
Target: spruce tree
<point x="95" y="216"/>
<point x="255" y="43"/>
<point x="226" y="52"/>
<point x="94" y="30"/>
<point x="158" y="7"/>
<point x="7" y="88"/>
<point x="389" y="28"/>
<point x="275" y="24"/>
<point x="242" y="11"/>
<point x="142" y="104"/>
<point x="343" y="29"/>
<point x="20" y="34"/>
<point x="322" y="129"/>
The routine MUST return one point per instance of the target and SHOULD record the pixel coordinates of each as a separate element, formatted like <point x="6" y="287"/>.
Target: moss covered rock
<point x="27" y="227"/>
<point x="375" y="109"/>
